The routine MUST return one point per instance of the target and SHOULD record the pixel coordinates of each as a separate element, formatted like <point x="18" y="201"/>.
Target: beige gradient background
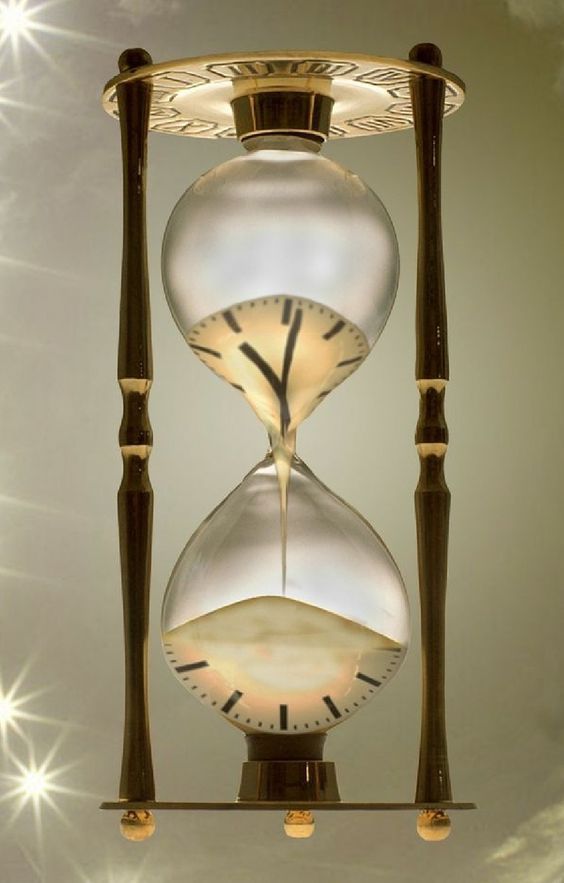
<point x="60" y="467"/>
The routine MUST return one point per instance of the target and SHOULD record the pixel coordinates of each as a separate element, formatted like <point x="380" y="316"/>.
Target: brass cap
<point x="307" y="114"/>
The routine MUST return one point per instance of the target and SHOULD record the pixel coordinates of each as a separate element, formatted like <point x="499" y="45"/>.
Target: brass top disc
<point x="192" y="96"/>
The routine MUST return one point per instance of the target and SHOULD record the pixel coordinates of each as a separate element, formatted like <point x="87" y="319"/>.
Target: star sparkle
<point x="13" y="711"/>
<point x="33" y="784"/>
<point x="18" y="21"/>
<point x="21" y="22"/>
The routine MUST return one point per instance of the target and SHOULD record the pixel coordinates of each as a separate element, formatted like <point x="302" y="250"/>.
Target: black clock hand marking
<point x="263" y="366"/>
<point x="349" y="361"/>
<point x="288" y="356"/>
<point x="279" y="385"/>
<point x="192" y="666"/>
<point x="207" y="350"/>
<point x="233" y="699"/>
<point x="287" y="311"/>
<point x="369" y="680"/>
<point x="331" y="706"/>
<point x="232" y="321"/>
<point x="337" y="327"/>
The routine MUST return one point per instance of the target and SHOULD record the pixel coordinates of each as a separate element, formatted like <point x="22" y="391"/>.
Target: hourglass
<point x="286" y="613"/>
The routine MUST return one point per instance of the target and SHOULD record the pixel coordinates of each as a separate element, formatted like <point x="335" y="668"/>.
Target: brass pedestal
<point x="287" y="768"/>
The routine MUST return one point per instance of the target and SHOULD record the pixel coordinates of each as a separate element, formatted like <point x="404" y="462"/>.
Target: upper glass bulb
<point x="281" y="221"/>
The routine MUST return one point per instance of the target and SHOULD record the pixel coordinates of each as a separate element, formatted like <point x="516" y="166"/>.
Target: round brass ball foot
<point x="137" y="825"/>
<point x="433" y="825"/>
<point x="299" y="824"/>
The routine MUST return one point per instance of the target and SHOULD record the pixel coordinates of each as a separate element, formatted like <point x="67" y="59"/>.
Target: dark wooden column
<point x="135" y="374"/>
<point x="432" y="496"/>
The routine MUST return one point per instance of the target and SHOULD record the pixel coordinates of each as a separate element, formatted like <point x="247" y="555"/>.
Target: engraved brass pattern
<point x="371" y="95"/>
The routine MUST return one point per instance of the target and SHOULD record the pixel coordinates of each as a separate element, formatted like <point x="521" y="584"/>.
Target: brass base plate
<point x="278" y="805"/>
<point x="192" y="96"/>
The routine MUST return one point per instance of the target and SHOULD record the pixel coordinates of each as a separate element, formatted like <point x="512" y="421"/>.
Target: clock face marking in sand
<point x="285" y="354"/>
<point x="273" y="663"/>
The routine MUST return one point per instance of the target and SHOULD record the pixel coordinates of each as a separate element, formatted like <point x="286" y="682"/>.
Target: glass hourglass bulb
<point x="285" y="656"/>
<point x="281" y="220"/>
<point x="280" y="268"/>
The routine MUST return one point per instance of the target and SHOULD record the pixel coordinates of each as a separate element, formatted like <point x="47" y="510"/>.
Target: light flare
<point x="19" y="23"/>
<point x="13" y="709"/>
<point x="14" y="19"/>
<point x="109" y="874"/>
<point x="34" y="785"/>
<point x="7" y="710"/>
<point x="16" y="23"/>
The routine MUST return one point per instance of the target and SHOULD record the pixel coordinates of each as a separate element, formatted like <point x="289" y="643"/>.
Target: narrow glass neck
<point x="281" y="142"/>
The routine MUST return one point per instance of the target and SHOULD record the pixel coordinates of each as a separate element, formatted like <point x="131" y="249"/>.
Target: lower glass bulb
<point x="285" y="648"/>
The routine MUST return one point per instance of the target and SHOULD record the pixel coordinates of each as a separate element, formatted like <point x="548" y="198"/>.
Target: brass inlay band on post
<point x="432" y="496"/>
<point x="135" y="372"/>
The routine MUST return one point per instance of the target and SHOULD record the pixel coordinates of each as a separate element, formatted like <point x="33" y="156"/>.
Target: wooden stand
<point x="432" y="496"/>
<point x="135" y="374"/>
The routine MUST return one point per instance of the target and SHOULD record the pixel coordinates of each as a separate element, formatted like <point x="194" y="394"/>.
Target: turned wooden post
<point x="135" y="374"/>
<point x="432" y="496"/>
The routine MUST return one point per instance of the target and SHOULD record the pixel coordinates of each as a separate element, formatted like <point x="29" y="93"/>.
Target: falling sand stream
<point x="285" y="354"/>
